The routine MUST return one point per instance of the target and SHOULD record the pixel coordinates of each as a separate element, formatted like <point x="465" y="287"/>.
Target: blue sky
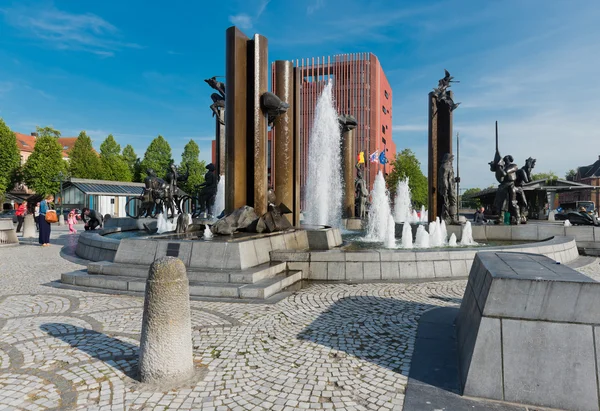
<point x="136" y="68"/>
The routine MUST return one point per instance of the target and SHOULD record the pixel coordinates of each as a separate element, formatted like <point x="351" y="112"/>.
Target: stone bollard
<point x="166" y="343"/>
<point x="29" y="227"/>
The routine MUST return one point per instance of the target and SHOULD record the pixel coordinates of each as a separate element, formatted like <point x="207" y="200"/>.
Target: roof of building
<point x="26" y="142"/>
<point x="557" y="185"/>
<point x="593" y="170"/>
<point x="103" y="187"/>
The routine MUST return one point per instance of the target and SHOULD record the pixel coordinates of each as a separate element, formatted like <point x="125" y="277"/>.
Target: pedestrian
<point x="21" y="211"/>
<point x="45" y="228"/>
<point x="92" y="219"/>
<point x="480" y="216"/>
<point x="72" y="220"/>
<point x="36" y="217"/>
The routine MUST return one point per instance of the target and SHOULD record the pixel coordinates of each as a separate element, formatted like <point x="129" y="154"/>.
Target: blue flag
<point x="382" y="159"/>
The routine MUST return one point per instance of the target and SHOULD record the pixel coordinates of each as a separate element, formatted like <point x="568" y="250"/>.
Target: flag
<point x="382" y="158"/>
<point x="374" y="158"/>
<point x="361" y="157"/>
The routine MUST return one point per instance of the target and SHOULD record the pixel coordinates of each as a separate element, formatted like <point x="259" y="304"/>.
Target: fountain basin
<point x="426" y="264"/>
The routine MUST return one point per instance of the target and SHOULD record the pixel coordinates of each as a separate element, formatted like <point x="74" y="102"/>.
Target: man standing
<point x="91" y="218"/>
<point x="208" y="191"/>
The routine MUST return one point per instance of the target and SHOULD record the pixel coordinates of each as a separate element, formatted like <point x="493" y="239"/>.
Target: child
<point x="72" y="220"/>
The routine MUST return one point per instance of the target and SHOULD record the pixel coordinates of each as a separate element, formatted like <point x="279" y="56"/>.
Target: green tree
<point x="10" y="158"/>
<point x="468" y="201"/>
<point x="114" y="165"/>
<point x="570" y="175"/>
<point x="83" y="160"/>
<point x="544" y="176"/>
<point x="43" y="165"/>
<point x="133" y="162"/>
<point x="193" y="167"/>
<point x="407" y="165"/>
<point x="157" y="157"/>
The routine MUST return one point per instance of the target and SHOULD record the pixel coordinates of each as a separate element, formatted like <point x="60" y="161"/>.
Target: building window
<point x="383" y="141"/>
<point x="384" y="110"/>
<point x="383" y="129"/>
<point x="385" y="93"/>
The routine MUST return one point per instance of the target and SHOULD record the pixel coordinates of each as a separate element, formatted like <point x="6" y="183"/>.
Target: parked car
<point x="9" y="214"/>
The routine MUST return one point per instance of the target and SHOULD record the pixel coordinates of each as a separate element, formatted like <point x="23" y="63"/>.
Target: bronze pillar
<point x="284" y="137"/>
<point x="236" y="112"/>
<point x="258" y="74"/>
<point x="296" y="146"/>
<point x="440" y="143"/>
<point x="220" y="143"/>
<point x="348" y="172"/>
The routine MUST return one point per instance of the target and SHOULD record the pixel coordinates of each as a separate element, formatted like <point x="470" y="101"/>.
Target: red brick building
<point x="589" y="175"/>
<point x="360" y="88"/>
<point x="26" y="143"/>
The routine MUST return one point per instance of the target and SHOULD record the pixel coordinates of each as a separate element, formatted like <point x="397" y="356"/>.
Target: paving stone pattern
<point x="329" y="346"/>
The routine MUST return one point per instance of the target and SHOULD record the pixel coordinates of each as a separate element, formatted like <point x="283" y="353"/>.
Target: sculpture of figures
<point x="447" y="189"/>
<point x="208" y="191"/>
<point x="506" y="195"/>
<point x="154" y="189"/>
<point x="523" y="177"/>
<point x="361" y="193"/>
<point x="217" y="99"/>
<point x="442" y="93"/>
<point x="272" y="106"/>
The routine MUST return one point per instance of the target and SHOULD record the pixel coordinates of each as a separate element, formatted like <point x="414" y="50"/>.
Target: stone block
<point x="318" y="271"/>
<point x="301" y="239"/>
<point x="318" y="240"/>
<point x="580" y="233"/>
<point x="548" y="231"/>
<point x="479" y="233"/>
<point x="461" y="254"/>
<point x="331" y="255"/>
<point x="408" y="270"/>
<point x="277" y="242"/>
<point x="390" y="270"/>
<point x="182" y="250"/>
<point x="337" y="237"/>
<point x="336" y="271"/>
<point x="248" y="257"/>
<point x="399" y="255"/>
<point x="354" y="271"/>
<point x="597" y="234"/>
<point x="137" y="286"/>
<point x="136" y="251"/>
<point x="433" y="256"/>
<point x="372" y="271"/>
<point x="300" y="266"/>
<point x="211" y="254"/>
<point x="263" y="249"/>
<point x="442" y="269"/>
<point x="290" y="241"/>
<point x="425" y="269"/>
<point x="498" y="232"/>
<point x="549" y="364"/>
<point x="485" y="374"/>
<point x="525" y="232"/>
<point x="459" y="268"/>
<point x="362" y="256"/>
<point x="290" y="256"/>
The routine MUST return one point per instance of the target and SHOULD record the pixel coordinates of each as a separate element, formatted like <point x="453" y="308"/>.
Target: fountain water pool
<point x="324" y="182"/>
<point x="380" y="224"/>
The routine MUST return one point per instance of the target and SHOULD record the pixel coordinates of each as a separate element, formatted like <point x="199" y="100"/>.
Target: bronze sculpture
<point x="361" y="193"/>
<point x="523" y="177"/>
<point x="347" y="122"/>
<point x="272" y="106"/>
<point x="447" y="189"/>
<point x="218" y="98"/>
<point x="208" y="192"/>
<point x="506" y="195"/>
<point x="442" y="93"/>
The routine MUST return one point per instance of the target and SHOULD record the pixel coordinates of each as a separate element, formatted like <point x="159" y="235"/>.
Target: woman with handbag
<point x="47" y="215"/>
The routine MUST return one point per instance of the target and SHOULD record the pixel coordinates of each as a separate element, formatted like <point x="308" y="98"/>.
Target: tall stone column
<point x="236" y="119"/>
<point x="285" y="137"/>
<point x="348" y="162"/>
<point x="440" y="143"/>
<point x="258" y="83"/>
<point x="220" y="143"/>
<point x="296" y="150"/>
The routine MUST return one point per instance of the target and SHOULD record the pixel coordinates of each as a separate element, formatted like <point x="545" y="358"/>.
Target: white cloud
<point x="314" y="6"/>
<point x="66" y="31"/>
<point x="246" y="21"/>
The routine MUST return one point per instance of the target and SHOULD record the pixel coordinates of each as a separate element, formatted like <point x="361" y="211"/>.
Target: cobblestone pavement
<point x="329" y="346"/>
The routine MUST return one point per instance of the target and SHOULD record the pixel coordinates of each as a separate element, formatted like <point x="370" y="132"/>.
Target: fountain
<point x="402" y="205"/>
<point x="467" y="235"/>
<point x="424" y="217"/>
<point x="452" y="241"/>
<point x="435" y="234"/>
<point x="379" y="224"/>
<point x="324" y="182"/>
<point x="422" y="240"/>
<point x="208" y="235"/>
<point x="390" y="238"/>
<point x="444" y="232"/>
<point x="220" y="198"/>
<point x="407" y="236"/>
<point x="163" y="224"/>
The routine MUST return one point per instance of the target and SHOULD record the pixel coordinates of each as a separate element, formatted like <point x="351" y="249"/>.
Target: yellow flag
<point x="361" y="157"/>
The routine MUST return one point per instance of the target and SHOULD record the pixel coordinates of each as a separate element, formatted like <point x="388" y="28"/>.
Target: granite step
<point x="247" y="276"/>
<point x="260" y="290"/>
